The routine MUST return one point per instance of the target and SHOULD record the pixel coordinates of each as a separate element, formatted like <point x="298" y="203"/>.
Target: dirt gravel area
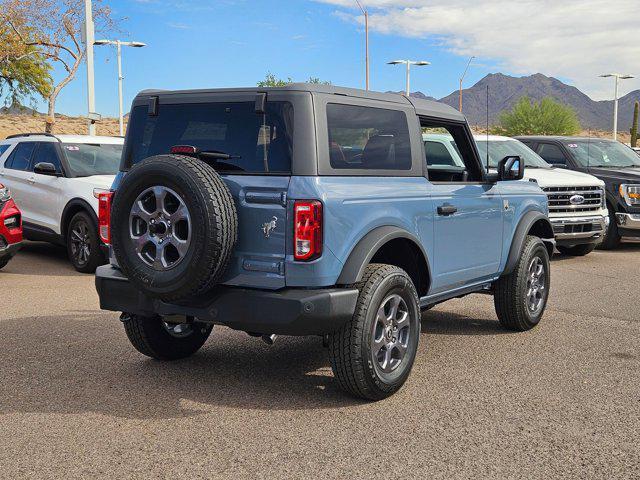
<point x="76" y="401"/>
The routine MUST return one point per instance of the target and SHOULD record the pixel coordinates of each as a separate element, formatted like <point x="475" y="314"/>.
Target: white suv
<point x="52" y="178"/>
<point x="577" y="207"/>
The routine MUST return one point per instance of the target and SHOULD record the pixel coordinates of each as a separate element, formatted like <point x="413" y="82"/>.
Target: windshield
<point x="86" y="159"/>
<point x="603" y="153"/>
<point x="498" y="149"/>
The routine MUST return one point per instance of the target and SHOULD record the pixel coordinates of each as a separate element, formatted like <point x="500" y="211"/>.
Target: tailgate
<point x="259" y="257"/>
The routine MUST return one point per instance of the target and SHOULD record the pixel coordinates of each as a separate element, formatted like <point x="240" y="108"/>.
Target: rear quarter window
<point x="368" y="138"/>
<point x="257" y="143"/>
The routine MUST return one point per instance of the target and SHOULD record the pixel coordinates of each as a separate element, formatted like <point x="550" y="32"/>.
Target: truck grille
<point x="560" y="199"/>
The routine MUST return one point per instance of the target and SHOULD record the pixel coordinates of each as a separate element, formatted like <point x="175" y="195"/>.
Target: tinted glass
<point x="256" y="143"/>
<point x="368" y="138"/>
<point x="437" y="154"/>
<point x="47" y="153"/>
<point x="86" y="159"/>
<point x="498" y="149"/>
<point x="20" y="158"/>
<point x="552" y="154"/>
<point x="603" y="153"/>
<point x="3" y="148"/>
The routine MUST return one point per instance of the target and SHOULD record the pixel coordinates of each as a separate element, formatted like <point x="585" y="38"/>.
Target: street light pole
<point x="408" y="63"/>
<point x="461" y="80"/>
<point x="89" y="35"/>
<point x="119" y="44"/>
<point x="617" y="76"/>
<point x="365" y="12"/>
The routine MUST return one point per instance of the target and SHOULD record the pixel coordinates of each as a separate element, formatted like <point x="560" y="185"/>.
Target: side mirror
<point x="45" y="168"/>
<point x="511" y="168"/>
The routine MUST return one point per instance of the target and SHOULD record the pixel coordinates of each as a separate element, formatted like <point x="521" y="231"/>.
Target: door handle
<point x="446" y="210"/>
<point x="31" y="180"/>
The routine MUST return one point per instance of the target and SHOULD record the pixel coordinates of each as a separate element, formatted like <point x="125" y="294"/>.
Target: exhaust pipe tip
<point x="269" y="339"/>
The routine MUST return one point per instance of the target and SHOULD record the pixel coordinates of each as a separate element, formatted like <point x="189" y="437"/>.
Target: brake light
<point x="104" y="215"/>
<point x="184" y="150"/>
<point x="307" y="235"/>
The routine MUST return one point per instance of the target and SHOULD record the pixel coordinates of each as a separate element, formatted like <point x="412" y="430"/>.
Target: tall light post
<point x="365" y="12"/>
<point x="89" y="31"/>
<point x="462" y="79"/>
<point x="408" y="63"/>
<point x="119" y="44"/>
<point x="617" y="76"/>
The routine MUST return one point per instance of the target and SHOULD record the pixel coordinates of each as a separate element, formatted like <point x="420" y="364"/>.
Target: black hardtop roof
<point x="423" y="107"/>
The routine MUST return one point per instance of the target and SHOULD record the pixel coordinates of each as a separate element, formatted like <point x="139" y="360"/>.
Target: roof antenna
<point x="487" y="128"/>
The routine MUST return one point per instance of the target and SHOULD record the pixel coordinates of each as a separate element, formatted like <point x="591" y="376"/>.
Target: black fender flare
<point x="70" y="209"/>
<point x="528" y="220"/>
<point x="366" y="248"/>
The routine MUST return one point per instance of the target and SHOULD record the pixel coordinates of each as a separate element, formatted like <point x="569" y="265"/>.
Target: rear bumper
<point x="570" y="231"/>
<point x="285" y="312"/>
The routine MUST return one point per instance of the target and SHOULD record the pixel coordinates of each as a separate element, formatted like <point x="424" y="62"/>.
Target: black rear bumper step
<point x="285" y="312"/>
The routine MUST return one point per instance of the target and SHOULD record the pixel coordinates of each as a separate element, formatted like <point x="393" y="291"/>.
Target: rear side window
<point x="552" y="154"/>
<point x="256" y="143"/>
<point x="20" y="158"/>
<point x="3" y="148"/>
<point x="368" y="138"/>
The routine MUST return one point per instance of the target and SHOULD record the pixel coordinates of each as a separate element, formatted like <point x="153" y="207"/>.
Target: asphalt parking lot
<point x="561" y="401"/>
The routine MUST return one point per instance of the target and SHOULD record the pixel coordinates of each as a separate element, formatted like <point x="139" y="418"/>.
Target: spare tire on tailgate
<point x="173" y="226"/>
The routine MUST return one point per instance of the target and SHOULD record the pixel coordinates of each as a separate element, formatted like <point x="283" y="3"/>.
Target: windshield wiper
<point x="218" y="155"/>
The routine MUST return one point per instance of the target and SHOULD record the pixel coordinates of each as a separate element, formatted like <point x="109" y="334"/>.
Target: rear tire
<point x="612" y="236"/>
<point x="83" y="244"/>
<point x="578" y="250"/>
<point x="520" y="297"/>
<point x="3" y="263"/>
<point x="372" y="354"/>
<point x="153" y="338"/>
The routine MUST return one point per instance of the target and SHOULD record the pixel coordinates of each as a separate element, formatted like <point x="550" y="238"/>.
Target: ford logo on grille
<point x="576" y="200"/>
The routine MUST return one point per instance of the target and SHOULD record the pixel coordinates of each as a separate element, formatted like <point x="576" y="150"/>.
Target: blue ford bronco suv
<point x="310" y="210"/>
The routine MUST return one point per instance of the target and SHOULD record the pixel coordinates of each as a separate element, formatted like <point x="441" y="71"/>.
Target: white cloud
<point x="572" y="39"/>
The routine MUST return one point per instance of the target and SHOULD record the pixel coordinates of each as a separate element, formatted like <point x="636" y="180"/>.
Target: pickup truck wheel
<point x="578" y="250"/>
<point x="173" y="226"/>
<point x="83" y="244"/>
<point x="157" y="339"/>
<point x="520" y="297"/>
<point x="612" y="235"/>
<point x="372" y="354"/>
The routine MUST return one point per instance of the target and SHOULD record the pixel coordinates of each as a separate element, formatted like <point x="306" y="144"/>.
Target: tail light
<point x="307" y="235"/>
<point x="104" y="214"/>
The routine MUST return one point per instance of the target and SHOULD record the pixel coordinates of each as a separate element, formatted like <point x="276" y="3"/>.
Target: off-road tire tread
<point x="612" y="238"/>
<point x="223" y="238"/>
<point x="140" y="330"/>
<point x="508" y="297"/>
<point x="346" y="343"/>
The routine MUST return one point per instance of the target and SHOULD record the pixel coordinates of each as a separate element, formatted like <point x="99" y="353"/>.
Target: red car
<point x="10" y="226"/>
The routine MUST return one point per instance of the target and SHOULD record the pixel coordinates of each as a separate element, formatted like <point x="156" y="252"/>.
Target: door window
<point x="368" y="138"/>
<point x="47" y="153"/>
<point x="552" y="154"/>
<point x="20" y="158"/>
<point x="449" y="153"/>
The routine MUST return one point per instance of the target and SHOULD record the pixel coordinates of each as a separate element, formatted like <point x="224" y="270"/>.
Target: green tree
<point x="270" y="80"/>
<point x="23" y="75"/>
<point x="547" y="117"/>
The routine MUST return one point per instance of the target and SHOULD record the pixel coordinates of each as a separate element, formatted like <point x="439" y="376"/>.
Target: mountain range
<point x="505" y="91"/>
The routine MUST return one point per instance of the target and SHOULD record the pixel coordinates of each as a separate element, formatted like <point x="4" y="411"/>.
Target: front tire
<point x="372" y="354"/>
<point x="612" y="236"/>
<point x="520" y="297"/>
<point x="83" y="244"/>
<point x="160" y="340"/>
<point x="577" y="250"/>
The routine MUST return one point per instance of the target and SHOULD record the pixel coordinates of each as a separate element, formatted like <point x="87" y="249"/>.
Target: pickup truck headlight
<point x="630" y="193"/>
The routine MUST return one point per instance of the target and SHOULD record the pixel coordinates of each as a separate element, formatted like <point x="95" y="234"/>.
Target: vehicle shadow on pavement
<point x="447" y="323"/>
<point x="83" y="362"/>
<point x="43" y="259"/>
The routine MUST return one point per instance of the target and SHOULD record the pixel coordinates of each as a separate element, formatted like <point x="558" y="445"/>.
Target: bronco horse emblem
<point x="269" y="227"/>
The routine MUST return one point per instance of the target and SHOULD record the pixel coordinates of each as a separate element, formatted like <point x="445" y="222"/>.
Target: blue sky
<point x="226" y="43"/>
<point x="198" y="44"/>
